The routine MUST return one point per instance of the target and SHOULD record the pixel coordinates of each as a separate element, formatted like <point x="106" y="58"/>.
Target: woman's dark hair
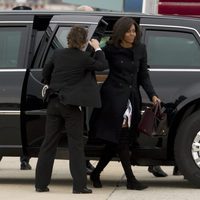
<point x="77" y="37"/>
<point x="120" y="27"/>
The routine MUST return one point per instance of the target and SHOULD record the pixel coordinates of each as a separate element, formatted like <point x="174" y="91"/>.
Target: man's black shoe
<point x="25" y="166"/>
<point x="176" y="171"/>
<point x="88" y="171"/>
<point x="89" y="167"/>
<point x="83" y="191"/>
<point x="135" y="185"/>
<point x="157" y="171"/>
<point x="46" y="189"/>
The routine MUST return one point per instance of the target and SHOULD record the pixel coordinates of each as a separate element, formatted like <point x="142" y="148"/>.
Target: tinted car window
<point x="172" y="50"/>
<point x="11" y="46"/>
<point x="59" y="41"/>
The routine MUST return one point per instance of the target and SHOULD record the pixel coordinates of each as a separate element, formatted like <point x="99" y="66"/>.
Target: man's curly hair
<point x="77" y="37"/>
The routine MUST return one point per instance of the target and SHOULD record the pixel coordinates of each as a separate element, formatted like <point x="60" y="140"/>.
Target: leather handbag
<point x="153" y="121"/>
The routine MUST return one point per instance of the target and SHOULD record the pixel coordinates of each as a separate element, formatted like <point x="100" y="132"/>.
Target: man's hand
<point x="94" y="43"/>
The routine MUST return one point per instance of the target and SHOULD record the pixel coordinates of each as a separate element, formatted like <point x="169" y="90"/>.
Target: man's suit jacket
<point x="70" y="73"/>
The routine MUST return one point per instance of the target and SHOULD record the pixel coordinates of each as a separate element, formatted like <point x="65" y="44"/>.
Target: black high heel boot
<point x="123" y="150"/>
<point x="107" y="155"/>
<point x="95" y="178"/>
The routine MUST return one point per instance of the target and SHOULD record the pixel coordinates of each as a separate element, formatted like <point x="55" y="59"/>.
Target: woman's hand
<point x="155" y="100"/>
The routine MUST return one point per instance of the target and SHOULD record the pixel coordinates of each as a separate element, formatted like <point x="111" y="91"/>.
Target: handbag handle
<point x="156" y="108"/>
<point x="158" y="111"/>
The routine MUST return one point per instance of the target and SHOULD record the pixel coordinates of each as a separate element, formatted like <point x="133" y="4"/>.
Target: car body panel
<point x="12" y="74"/>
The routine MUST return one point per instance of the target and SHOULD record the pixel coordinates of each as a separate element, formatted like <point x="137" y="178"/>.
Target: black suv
<point x="27" y="41"/>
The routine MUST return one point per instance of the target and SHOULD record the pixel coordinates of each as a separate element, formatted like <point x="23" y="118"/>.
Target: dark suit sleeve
<point x="47" y="70"/>
<point x="97" y="63"/>
<point x="144" y="79"/>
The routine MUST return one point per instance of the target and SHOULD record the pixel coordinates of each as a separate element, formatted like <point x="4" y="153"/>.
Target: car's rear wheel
<point x="187" y="148"/>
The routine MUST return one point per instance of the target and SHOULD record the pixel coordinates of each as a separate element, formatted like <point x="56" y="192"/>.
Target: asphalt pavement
<point x="16" y="184"/>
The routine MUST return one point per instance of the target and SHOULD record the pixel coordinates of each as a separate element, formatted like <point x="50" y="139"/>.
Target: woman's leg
<point x="124" y="154"/>
<point x="108" y="152"/>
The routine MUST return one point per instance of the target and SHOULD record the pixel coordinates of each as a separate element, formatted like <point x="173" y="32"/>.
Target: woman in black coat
<point x="127" y="59"/>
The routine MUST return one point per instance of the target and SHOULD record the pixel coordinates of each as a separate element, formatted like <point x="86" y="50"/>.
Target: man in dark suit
<point x="72" y="84"/>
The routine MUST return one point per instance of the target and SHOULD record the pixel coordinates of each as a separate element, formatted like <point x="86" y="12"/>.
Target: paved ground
<point x="19" y="185"/>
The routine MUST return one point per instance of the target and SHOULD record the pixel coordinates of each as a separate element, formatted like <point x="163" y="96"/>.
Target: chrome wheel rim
<point x="196" y="149"/>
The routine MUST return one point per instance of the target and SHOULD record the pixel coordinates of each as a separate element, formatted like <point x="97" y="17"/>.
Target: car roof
<point x="27" y="15"/>
<point x="94" y="13"/>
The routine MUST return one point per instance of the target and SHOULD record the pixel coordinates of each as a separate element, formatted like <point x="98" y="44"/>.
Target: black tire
<point x="183" y="148"/>
<point x="1" y="157"/>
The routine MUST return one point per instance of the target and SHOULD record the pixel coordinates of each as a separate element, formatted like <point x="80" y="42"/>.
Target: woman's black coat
<point x="128" y="70"/>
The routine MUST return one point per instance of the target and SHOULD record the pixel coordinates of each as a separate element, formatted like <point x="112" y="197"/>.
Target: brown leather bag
<point x="153" y="121"/>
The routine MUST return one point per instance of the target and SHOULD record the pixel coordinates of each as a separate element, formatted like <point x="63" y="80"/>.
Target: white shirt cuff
<point x="98" y="49"/>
